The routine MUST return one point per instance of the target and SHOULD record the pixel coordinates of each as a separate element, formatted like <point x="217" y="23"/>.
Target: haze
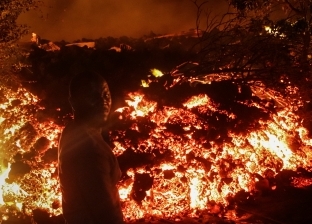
<point x="74" y="19"/>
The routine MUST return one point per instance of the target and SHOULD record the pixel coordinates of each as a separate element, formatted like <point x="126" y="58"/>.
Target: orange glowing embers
<point x="178" y="158"/>
<point x="141" y="107"/>
<point x="3" y="176"/>
<point x="27" y="179"/>
<point x="195" y="172"/>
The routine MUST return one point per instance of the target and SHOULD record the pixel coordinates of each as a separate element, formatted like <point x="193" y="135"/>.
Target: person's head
<point x="90" y="98"/>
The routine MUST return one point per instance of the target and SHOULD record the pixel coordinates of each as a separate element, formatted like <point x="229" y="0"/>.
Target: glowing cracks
<point x="3" y="175"/>
<point x="19" y="127"/>
<point x="12" y="130"/>
<point x="269" y="140"/>
<point x="200" y="176"/>
<point x="156" y="73"/>
<point x="196" y="195"/>
<point x="195" y="101"/>
<point x="135" y="100"/>
<point x="192" y="169"/>
<point x="144" y="84"/>
<point x="167" y="166"/>
<point x="141" y="107"/>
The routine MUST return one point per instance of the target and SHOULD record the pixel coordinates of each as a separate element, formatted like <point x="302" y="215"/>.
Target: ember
<point x="28" y="175"/>
<point x="194" y="163"/>
<point x="183" y="150"/>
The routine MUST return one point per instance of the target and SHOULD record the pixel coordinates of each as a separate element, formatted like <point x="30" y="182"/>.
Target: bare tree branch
<point x="293" y="7"/>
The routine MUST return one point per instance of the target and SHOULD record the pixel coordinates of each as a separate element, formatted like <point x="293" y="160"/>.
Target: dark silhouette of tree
<point x="246" y="44"/>
<point x="260" y="41"/>
<point x="294" y="24"/>
<point x="11" y="31"/>
<point x="237" y="46"/>
<point x="10" y="11"/>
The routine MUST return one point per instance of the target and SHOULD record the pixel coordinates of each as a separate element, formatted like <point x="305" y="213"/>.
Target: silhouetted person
<point x="88" y="169"/>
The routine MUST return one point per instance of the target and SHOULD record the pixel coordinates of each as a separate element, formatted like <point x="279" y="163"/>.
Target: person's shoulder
<point x="72" y="133"/>
<point x="72" y="128"/>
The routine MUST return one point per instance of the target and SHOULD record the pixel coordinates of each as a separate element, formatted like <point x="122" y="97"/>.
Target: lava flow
<point x="182" y="149"/>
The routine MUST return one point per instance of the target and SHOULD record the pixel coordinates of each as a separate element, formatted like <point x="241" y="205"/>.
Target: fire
<point x="157" y="73"/>
<point x="20" y="134"/>
<point x="196" y="201"/>
<point x="142" y="107"/>
<point x="196" y="101"/>
<point x="181" y="170"/>
<point x="4" y="174"/>
<point x="202" y="175"/>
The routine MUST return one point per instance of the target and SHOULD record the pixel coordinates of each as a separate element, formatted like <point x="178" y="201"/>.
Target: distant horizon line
<point x="157" y="35"/>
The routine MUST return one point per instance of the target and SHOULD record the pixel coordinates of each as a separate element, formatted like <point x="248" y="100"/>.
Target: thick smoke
<point x="74" y="19"/>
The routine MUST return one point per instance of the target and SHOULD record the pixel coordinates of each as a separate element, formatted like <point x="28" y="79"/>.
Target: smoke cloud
<point x="74" y="19"/>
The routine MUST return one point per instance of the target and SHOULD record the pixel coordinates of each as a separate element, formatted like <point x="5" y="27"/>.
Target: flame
<point x="4" y="175"/>
<point x="142" y="107"/>
<point x="144" y="83"/>
<point x="195" y="101"/>
<point x="274" y="32"/>
<point x="19" y="130"/>
<point x="157" y="73"/>
<point x="210" y="175"/>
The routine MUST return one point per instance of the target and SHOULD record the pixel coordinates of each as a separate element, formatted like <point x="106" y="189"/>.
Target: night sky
<point x="74" y="19"/>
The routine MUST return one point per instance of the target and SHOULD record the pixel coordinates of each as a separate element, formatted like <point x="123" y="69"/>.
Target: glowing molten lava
<point x="179" y="168"/>
<point x="198" y="172"/>
<point x="28" y="178"/>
